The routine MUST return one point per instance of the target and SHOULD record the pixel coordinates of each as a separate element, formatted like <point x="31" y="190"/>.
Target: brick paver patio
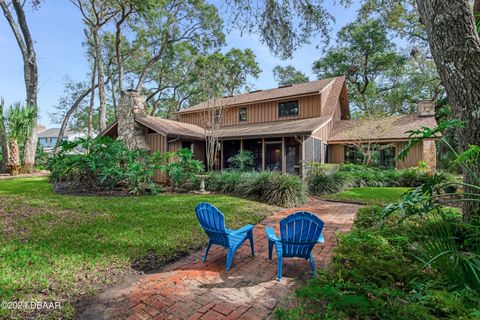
<point x="191" y="289"/>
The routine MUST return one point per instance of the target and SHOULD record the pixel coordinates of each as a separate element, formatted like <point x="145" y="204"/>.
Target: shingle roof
<point x="171" y="127"/>
<point x="52" y="133"/>
<point x="385" y="128"/>
<point x="305" y="126"/>
<point x="263" y="95"/>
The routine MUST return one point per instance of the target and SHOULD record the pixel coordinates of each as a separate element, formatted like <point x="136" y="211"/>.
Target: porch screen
<point x="313" y="150"/>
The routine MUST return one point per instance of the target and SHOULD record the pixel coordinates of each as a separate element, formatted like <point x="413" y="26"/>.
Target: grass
<point x="58" y="247"/>
<point x="369" y="196"/>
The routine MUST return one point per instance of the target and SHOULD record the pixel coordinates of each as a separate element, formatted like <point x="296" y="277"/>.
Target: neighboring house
<point x="283" y="127"/>
<point x="48" y="138"/>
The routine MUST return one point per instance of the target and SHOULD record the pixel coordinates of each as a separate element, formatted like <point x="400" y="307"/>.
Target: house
<point x="283" y="127"/>
<point x="47" y="138"/>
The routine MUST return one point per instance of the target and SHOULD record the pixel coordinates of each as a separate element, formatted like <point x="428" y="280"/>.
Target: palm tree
<point x="20" y="120"/>
<point x="3" y="140"/>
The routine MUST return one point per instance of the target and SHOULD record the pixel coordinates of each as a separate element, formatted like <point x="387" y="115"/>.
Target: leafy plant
<point x="243" y="161"/>
<point x="103" y="163"/>
<point x="179" y="167"/>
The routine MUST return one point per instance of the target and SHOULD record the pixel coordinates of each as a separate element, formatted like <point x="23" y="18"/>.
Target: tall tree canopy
<point x="369" y="59"/>
<point x="288" y="75"/>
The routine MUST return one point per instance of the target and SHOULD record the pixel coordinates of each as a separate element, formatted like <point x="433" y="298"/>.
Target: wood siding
<point x="336" y="153"/>
<point x="413" y="157"/>
<point x="157" y="142"/>
<point x="309" y="107"/>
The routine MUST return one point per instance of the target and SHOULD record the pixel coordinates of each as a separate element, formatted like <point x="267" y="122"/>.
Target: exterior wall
<point x="157" y="142"/>
<point x="425" y="151"/>
<point x="336" y="153"/>
<point x="310" y="107"/>
<point x="430" y="154"/>
<point x="414" y="156"/>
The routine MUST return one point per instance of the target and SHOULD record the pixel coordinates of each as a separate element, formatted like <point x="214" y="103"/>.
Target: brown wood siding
<point x="157" y="142"/>
<point x="336" y="153"/>
<point x="413" y="157"/>
<point x="199" y="151"/>
<point x="324" y="132"/>
<point x="310" y="107"/>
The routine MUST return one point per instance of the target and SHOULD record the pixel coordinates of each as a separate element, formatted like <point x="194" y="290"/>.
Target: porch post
<point x="284" y="158"/>
<point x="241" y="144"/>
<point x="263" y="154"/>
<point x="221" y="155"/>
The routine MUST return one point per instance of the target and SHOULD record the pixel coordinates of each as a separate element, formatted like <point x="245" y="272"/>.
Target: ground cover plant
<point x="57" y="247"/>
<point x="332" y="178"/>
<point x="369" y="195"/>
<point x="267" y="186"/>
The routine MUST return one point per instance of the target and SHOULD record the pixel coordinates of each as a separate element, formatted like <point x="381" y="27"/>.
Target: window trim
<point x="280" y="115"/>
<point x="240" y="114"/>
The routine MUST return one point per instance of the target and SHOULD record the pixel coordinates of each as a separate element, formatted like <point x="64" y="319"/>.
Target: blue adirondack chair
<point x="213" y="222"/>
<point x="299" y="233"/>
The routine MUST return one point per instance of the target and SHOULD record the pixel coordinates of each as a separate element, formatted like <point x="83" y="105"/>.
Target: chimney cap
<point x="425" y="108"/>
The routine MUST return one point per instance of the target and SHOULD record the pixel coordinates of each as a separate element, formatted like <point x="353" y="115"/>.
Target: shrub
<point x="103" y="164"/>
<point x="243" y="161"/>
<point x="324" y="179"/>
<point x="179" y="167"/>
<point x="269" y="187"/>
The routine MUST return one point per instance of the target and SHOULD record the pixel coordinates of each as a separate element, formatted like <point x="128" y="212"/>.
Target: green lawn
<point x="380" y="195"/>
<point x="56" y="247"/>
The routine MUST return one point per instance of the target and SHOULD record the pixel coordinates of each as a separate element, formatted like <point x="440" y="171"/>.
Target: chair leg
<point x="312" y="265"/>
<point x="250" y="237"/>
<point x="278" y="247"/>
<point x="270" y="249"/>
<point x="206" y="251"/>
<point x="230" y="254"/>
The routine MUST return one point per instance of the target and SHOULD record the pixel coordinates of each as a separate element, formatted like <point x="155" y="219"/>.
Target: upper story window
<point x="217" y="117"/>
<point x="242" y="114"/>
<point x="289" y="108"/>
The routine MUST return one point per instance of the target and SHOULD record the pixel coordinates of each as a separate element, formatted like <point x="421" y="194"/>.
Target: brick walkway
<point x="191" y="289"/>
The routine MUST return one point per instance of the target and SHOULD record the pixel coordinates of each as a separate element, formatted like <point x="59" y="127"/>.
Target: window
<point x="381" y="155"/>
<point x="217" y="117"/>
<point x="286" y="109"/>
<point x="242" y="114"/>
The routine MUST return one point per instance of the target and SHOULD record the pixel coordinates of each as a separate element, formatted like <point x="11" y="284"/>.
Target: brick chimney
<point x="132" y="104"/>
<point x="426" y="108"/>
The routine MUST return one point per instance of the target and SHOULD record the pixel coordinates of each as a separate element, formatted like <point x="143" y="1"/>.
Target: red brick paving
<point x="191" y="289"/>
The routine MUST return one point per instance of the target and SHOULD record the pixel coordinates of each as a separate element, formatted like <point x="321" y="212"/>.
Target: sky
<point x="57" y="30"/>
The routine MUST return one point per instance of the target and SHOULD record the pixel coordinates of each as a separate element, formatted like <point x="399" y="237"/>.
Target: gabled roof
<point x="165" y="127"/>
<point x="300" y="89"/>
<point x="171" y="127"/>
<point x="385" y="128"/>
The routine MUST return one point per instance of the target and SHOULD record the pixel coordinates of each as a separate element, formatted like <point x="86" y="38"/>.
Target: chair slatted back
<point x="213" y="222"/>
<point x="299" y="234"/>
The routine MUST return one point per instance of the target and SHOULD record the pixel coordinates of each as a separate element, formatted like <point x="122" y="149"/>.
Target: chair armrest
<point x="321" y="239"/>
<point x="271" y="235"/>
<point x="243" y="229"/>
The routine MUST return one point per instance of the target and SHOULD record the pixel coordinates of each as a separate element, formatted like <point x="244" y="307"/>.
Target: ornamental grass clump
<point x="268" y="187"/>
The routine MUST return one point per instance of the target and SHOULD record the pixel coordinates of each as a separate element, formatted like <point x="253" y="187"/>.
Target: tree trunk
<point x="30" y="72"/>
<point x="69" y="113"/>
<point x="14" y="162"/>
<point x="455" y="46"/>
<point x="102" y="114"/>
<point x="92" y="100"/>
<point x="3" y="141"/>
